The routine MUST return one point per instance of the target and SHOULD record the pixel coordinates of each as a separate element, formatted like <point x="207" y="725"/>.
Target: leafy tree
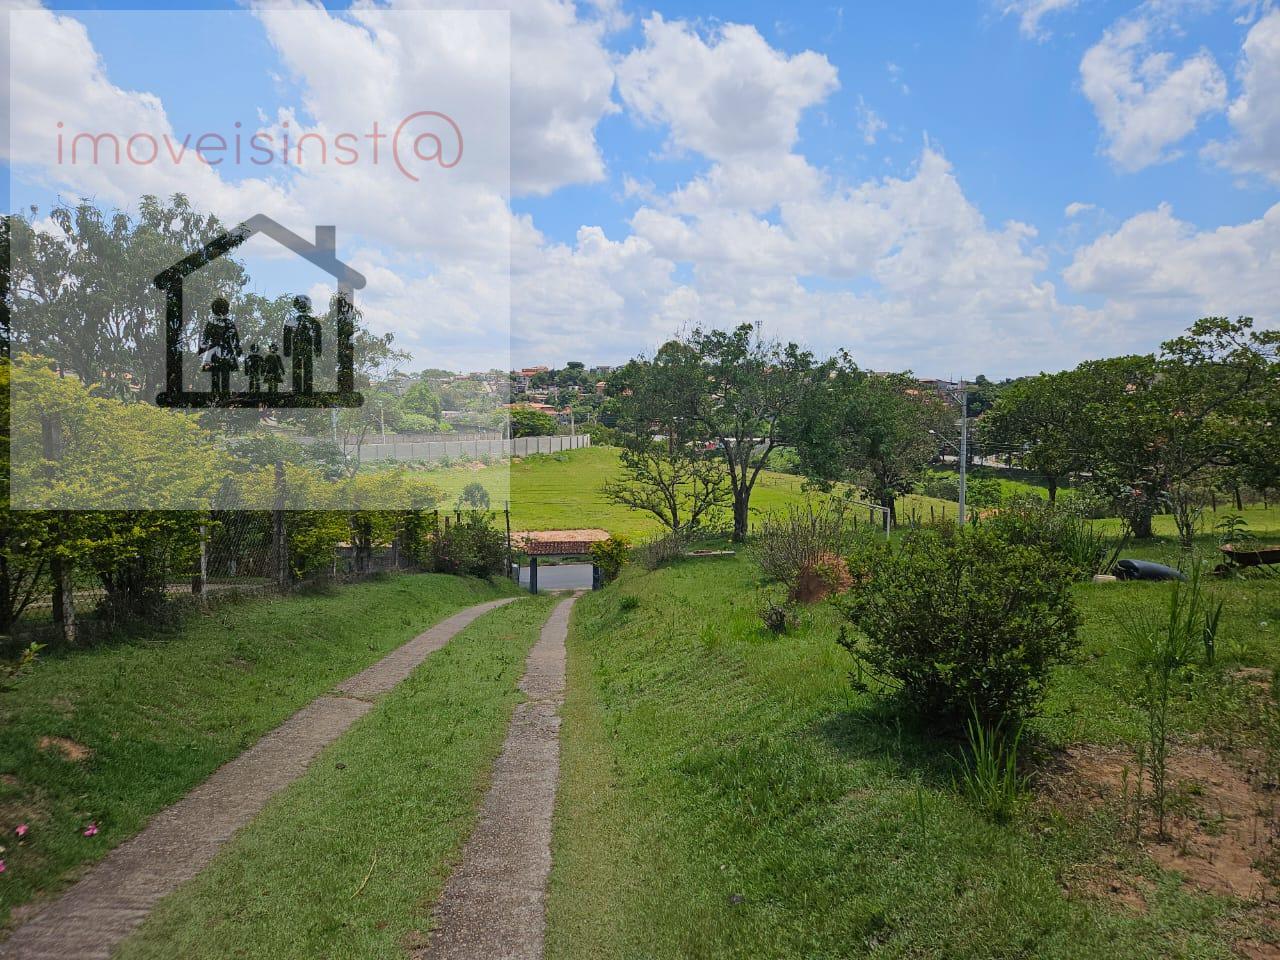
<point x="879" y="432"/>
<point x="667" y="470"/>
<point x="1044" y="416"/>
<point x="528" y="422"/>
<point x="732" y="391"/>
<point x="475" y="496"/>
<point x="82" y="293"/>
<point x="671" y="481"/>
<point x="422" y="400"/>
<point x="1163" y="424"/>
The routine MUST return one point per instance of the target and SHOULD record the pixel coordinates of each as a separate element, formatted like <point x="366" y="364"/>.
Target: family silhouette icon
<point x="219" y="350"/>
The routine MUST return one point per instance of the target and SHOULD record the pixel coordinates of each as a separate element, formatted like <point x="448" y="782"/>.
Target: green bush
<point x="979" y="492"/>
<point x="940" y="485"/>
<point x="475" y="496"/>
<point x="1060" y="532"/>
<point x="964" y="622"/>
<point x="471" y="547"/>
<point x="659" y="551"/>
<point x="609" y="555"/>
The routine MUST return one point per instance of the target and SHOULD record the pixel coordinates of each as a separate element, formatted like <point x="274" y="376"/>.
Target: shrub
<point x="828" y="575"/>
<point x="472" y="547"/>
<point x="981" y="492"/>
<point x="660" y="551"/>
<point x="791" y="545"/>
<point x="609" y="555"/>
<point x="475" y="496"/>
<point x="964" y="621"/>
<point x="939" y="485"/>
<point x="1058" y="531"/>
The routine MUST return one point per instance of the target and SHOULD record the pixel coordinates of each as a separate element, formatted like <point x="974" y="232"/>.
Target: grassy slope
<point x="735" y="787"/>
<point x="550" y="492"/>
<point x="161" y="712"/>
<point x="392" y="800"/>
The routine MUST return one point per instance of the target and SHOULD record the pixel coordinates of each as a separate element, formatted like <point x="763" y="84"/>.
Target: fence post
<point x="64" y="604"/>
<point x="200" y="580"/>
<point x="279" y="534"/>
<point x="507" y="511"/>
<point x="533" y="574"/>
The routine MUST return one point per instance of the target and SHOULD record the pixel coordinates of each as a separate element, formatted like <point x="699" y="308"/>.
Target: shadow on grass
<point x="886" y="732"/>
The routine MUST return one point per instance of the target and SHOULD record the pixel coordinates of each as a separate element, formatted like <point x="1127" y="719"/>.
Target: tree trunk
<point x="1140" y="524"/>
<point x="889" y="502"/>
<point x="741" y="502"/>
<point x="1052" y="484"/>
<point x="64" y="609"/>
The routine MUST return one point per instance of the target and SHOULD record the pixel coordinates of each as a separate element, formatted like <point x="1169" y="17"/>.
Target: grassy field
<point x="348" y="861"/>
<point x="110" y="735"/>
<point x="563" y="491"/>
<point x="728" y="794"/>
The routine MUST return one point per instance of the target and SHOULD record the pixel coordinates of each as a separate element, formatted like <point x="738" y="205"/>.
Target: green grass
<point x="727" y="794"/>
<point x="392" y="800"/>
<point x="161" y="711"/>
<point x="564" y="491"/>
<point x="1262" y="523"/>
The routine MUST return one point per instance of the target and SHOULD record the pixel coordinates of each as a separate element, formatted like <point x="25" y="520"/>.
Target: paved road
<point x="568" y="576"/>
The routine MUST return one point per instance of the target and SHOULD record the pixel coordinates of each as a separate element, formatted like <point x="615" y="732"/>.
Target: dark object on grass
<point x="1250" y="555"/>
<point x="778" y="618"/>
<point x="1146" y="570"/>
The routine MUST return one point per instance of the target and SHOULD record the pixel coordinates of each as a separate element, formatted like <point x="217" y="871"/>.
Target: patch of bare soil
<point x="70" y="749"/>
<point x="1222" y="831"/>
<point x="1254" y="676"/>
<point x="1107" y="882"/>
<point x="1256" y="950"/>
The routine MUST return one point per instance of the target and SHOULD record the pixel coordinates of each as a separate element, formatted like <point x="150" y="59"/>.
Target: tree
<point x="1044" y="416"/>
<point x="667" y="470"/>
<point x="528" y="422"/>
<point x="475" y="496"/>
<point x="877" y="431"/>
<point x="736" y="392"/>
<point x="82" y="293"/>
<point x="671" y="481"/>
<point x="1162" y="424"/>
<point x="422" y="400"/>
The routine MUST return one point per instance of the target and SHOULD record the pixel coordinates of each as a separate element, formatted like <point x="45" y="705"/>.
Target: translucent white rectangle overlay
<point x="290" y="284"/>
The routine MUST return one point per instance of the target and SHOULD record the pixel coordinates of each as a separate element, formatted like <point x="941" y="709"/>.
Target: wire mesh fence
<point x="137" y="568"/>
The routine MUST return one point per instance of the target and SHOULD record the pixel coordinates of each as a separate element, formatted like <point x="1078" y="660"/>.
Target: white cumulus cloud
<point x="1145" y="101"/>
<point x="728" y="96"/>
<point x="1255" y="114"/>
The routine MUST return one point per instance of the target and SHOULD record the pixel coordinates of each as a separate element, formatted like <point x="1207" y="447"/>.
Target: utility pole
<point x="964" y="446"/>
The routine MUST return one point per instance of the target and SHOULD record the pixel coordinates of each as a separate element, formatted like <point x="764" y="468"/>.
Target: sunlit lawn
<point x="565" y="491"/>
<point x="728" y="793"/>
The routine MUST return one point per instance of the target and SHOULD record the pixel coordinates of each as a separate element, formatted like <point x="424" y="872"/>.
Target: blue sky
<point x="911" y="182"/>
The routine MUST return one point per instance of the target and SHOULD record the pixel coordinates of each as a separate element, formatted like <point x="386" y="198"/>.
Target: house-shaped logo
<point x="220" y="349"/>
